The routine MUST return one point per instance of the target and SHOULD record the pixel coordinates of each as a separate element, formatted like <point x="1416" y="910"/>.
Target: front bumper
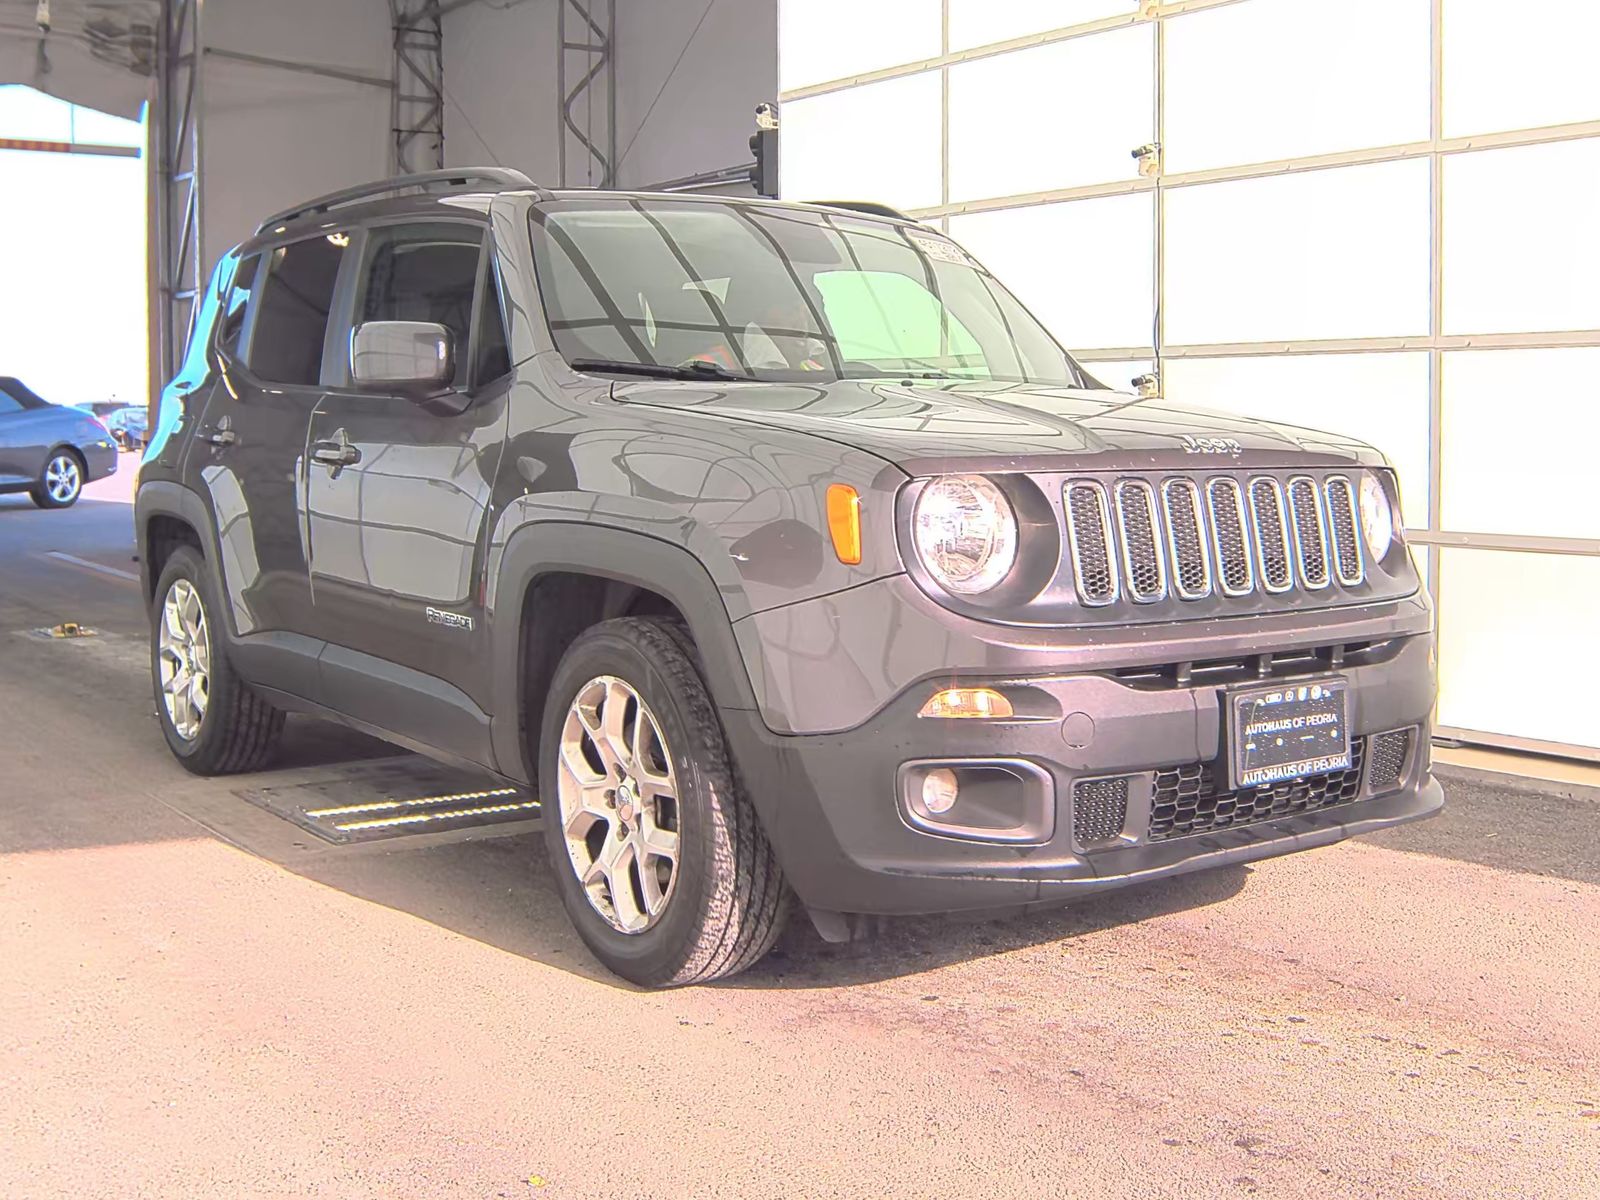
<point x="836" y="807"/>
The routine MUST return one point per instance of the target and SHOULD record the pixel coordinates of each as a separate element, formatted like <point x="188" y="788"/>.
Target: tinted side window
<point x="8" y="405"/>
<point x="292" y="319"/>
<point x="424" y="273"/>
<point x="230" y="323"/>
<point x="494" y="357"/>
<point x="20" y="393"/>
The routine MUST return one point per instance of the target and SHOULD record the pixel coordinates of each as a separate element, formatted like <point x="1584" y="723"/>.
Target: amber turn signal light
<point x="967" y="702"/>
<point x="844" y="522"/>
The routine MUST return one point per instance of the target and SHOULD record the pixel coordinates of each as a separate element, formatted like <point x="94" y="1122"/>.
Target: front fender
<point x="627" y="556"/>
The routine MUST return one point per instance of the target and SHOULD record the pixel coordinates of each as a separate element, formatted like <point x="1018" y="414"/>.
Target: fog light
<point x="939" y="790"/>
<point x="966" y="702"/>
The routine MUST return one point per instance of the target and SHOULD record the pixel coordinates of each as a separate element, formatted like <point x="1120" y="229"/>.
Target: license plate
<point x="1289" y="731"/>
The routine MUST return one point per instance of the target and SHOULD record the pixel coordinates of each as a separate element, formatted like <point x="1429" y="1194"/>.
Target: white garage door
<point x="1375" y="216"/>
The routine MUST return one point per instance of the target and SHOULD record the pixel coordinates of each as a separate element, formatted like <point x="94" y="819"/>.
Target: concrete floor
<point x="199" y="999"/>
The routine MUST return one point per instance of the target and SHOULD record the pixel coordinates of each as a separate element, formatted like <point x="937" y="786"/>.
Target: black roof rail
<point x="495" y="179"/>
<point x="870" y="207"/>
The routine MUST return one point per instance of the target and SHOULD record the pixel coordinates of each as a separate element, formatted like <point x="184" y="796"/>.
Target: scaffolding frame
<point x="177" y="146"/>
<point x="591" y="60"/>
<point x="177" y="214"/>
<point x="417" y="96"/>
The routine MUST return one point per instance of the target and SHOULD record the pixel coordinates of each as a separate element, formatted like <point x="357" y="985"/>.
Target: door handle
<point x="335" y="454"/>
<point x="223" y="437"/>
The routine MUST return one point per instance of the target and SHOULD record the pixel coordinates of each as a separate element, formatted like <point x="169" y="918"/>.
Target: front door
<point x="249" y="451"/>
<point x="399" y="492"/>
<point x="22" y="436"/>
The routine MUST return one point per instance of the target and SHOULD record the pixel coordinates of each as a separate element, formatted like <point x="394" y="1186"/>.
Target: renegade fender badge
<point x="450" y="620"/>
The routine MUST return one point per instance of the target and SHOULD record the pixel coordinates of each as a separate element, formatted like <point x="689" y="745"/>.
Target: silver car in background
<point x="48" y="450"/>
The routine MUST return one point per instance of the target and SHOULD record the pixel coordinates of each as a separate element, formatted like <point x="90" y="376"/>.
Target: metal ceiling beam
<point x="284" y="64"/>
<point x="439" y="8"/>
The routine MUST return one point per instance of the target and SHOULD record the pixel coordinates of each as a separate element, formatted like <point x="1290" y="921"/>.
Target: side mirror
<point x="416" y="359"/>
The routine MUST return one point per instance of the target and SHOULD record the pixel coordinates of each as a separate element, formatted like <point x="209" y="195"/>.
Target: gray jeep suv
<point x="778" y="549"/>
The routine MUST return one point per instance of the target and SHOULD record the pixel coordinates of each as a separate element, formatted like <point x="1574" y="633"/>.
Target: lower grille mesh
<point x="1389" y="753"/>
<point x="1099" y="810"/>
<point x="1188" y="799"/>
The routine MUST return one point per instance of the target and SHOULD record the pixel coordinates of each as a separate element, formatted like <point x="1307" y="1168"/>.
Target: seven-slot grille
<point x="1190" y="538"/>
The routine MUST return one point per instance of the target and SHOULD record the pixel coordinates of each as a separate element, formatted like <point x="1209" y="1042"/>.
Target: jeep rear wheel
<point x="214" y="724"/>
<point x="660" y="860"/>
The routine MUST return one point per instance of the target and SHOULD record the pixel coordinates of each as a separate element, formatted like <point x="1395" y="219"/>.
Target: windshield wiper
<point x="692" y="370"/>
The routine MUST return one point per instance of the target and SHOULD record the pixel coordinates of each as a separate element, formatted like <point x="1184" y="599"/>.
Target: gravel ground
<point x="199" y="1000"/>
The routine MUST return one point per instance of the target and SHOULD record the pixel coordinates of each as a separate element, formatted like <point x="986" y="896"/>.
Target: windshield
<point x="778" y="293"/>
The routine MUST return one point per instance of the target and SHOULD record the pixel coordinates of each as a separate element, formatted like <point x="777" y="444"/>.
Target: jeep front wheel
<point x="658" y="856"/>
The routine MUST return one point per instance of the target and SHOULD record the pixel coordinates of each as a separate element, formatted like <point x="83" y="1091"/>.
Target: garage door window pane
<point x="286" y="345"/>
<point x="1120" y="374"/>
<point x="1380" y="399"/>
<point x="979" y="22"/>
<point x="1285" y="79"/>
<point x="1325" y="254"/>
<point x="1519" y="439"/>
<point x="1053" y="117"/>
<point x="1518" y="653"/>
<point x="1521" y="244"/>
<point x="879" y="142"/>
<point x="1518" y="66"/>
<point x="1083" y="268"/>
<point x="822" y="40"/>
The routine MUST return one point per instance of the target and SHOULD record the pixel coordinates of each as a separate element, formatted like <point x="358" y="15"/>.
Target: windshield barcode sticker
<point x="942" y="250"/>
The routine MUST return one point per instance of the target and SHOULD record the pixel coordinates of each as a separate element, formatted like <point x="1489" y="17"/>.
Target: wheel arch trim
<point x="624" y="556"/>
<point x="163" y="498"/>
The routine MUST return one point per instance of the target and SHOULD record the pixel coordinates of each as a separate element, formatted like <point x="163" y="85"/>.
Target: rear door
<point x="397" y="534"/>
<point x="250" y="450"/>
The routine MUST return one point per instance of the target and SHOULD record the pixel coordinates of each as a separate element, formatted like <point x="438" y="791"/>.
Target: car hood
<point x="927" y="428"/>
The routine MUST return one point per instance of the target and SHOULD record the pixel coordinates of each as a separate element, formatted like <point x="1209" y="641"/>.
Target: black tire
<point x="40" y="493"/>
<point x="729" y="901"/>
<point x="239" y="730"/>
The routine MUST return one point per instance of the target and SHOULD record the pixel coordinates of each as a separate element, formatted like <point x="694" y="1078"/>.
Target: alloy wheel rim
<point x="62" y="478"/>
<point x="184" y="653"/>
<point x="618" y="799"/>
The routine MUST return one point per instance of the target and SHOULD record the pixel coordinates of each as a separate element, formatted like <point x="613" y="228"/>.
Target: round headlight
<point x="965" y="533"/>
<point x="1377" y="517"/>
